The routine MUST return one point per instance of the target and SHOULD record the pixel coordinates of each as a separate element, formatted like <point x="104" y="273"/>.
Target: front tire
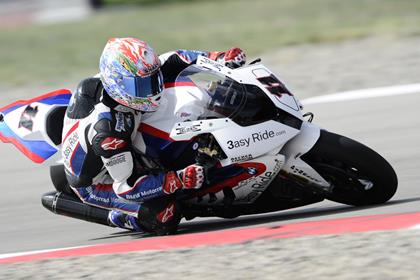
<point x="359" y="175"/>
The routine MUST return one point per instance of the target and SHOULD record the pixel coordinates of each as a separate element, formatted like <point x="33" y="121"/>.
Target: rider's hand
<point x="191" y="177"/>
<point x="234" y="58"/>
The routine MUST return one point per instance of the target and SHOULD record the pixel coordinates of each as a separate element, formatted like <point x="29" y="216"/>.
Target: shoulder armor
<point x="90" y="88"/>
<point x="87" y="94"/>
<point x="108" y="142"/>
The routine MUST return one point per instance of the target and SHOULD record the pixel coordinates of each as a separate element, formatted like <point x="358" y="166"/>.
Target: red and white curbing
<point x="233" y="236"/>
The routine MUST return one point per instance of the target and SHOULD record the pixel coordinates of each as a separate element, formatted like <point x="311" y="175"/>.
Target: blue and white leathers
<point x="97" y="144"/>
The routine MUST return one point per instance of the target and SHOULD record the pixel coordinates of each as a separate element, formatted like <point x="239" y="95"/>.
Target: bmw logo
<point x="252" y="171"/>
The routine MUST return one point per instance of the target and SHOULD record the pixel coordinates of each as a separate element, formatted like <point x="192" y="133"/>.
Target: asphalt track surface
<point x="388" y="124"/>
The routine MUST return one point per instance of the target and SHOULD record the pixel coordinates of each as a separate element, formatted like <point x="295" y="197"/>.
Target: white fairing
<point x="297" y="147"/>
<point x="248" y="190"/>
<point x="250" y="75"/>
<point x="195" y="107"/>
<point x="239" y="143"/>
<point x="38" y="131"/>
<point x="178" y="104"/>
<point x="271" y="143"/>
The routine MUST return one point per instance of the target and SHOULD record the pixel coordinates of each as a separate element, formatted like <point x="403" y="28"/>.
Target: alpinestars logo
<point x="172" y="183"/>
<point x="111" y="143"/>
<point x="166" y="214"/>
<point x="172" y="187"/>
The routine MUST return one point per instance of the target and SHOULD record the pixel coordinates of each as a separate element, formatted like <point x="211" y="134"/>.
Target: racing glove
<point x="232" y="58"/>
<point x="191" y="177"/>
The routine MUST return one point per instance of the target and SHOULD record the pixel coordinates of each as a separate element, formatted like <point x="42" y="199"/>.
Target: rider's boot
<point x="160" y="216"/>
<point x="122" y="220"/>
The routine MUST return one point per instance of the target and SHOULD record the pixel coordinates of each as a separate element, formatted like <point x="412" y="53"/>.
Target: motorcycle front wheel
<point x="359" y="175"/>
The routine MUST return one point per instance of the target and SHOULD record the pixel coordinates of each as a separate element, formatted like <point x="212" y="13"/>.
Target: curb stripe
<point x="232" y="236"/>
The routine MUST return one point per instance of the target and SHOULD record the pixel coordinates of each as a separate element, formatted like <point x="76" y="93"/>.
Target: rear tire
<point x="359" y="175"/>
<point x="59" y="180"/>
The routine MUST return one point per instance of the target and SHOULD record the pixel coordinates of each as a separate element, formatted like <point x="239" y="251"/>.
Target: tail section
<point x="24" y="124"/>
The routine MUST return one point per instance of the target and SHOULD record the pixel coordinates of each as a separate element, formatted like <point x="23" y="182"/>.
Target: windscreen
<point x="244" y="104"/>
<point x="225" y="96"/>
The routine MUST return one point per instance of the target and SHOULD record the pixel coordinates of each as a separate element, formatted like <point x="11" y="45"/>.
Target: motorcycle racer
<point x="102" y="121"/>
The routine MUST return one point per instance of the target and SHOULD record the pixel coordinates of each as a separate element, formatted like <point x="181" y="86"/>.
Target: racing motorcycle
<point x="260" y="152"/>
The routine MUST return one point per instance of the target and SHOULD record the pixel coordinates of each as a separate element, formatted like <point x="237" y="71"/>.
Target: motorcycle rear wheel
<point x="359" y="175"/>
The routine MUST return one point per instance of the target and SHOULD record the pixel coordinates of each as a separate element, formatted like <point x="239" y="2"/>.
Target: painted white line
<point x="11" y="255"/>
<point x="416" y="227"/>
<point x="363" y="93"/>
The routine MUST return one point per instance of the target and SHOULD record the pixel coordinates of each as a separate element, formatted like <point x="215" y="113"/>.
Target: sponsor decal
<point x="98" y="198"/>
<point x="241" y="158"/>
<point x="259" y="184"/>
<point x="267" y="177"/>
<point x="184" y="115"/>
<point x="70" y="144"/>
<point x="213" y="63"/>
<point x="274" y="85"/>
<point x="244" y="183"/>
<point x="238" y="143"/>
<point x="263" y="180"/>
<point x="254" y="138"/>
<point x="119" y="126"/>
<point x="68" y="147"/>
<point x="183" y="130"/>
<point x="172" y="183"/>
<point x="172" y="187"/>
<point x="152" y="191"/>
<point x="94" y="197"/>
<point x="111" y="143"/>
<point x="143" y="193"/>
<point x="299" y="172"/>
<point x="26" y="119"/>
<point x="167" y="214"/>
<point x="132" y="196"/>
<point x="115" y="160"/>
<point x="252" y="171"/>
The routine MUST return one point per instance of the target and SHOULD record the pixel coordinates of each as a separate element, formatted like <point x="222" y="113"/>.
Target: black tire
<point x="360" y="176"/>
<point x="59" y="180"/>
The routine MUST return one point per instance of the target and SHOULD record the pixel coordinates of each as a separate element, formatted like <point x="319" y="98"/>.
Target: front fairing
<point x="243" y="120"/>
<point x="261" y="77"/>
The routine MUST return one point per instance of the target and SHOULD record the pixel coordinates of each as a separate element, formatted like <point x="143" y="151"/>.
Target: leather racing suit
<point x="98" y="153"/>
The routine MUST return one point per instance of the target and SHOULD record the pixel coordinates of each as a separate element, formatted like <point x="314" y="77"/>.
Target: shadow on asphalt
<point x="220" y="224"/>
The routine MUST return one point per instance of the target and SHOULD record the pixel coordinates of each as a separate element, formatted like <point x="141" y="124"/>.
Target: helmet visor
<point x="143" y="86"/>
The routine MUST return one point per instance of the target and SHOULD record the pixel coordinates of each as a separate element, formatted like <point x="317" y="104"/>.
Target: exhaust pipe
<point x="67" y="205"/>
